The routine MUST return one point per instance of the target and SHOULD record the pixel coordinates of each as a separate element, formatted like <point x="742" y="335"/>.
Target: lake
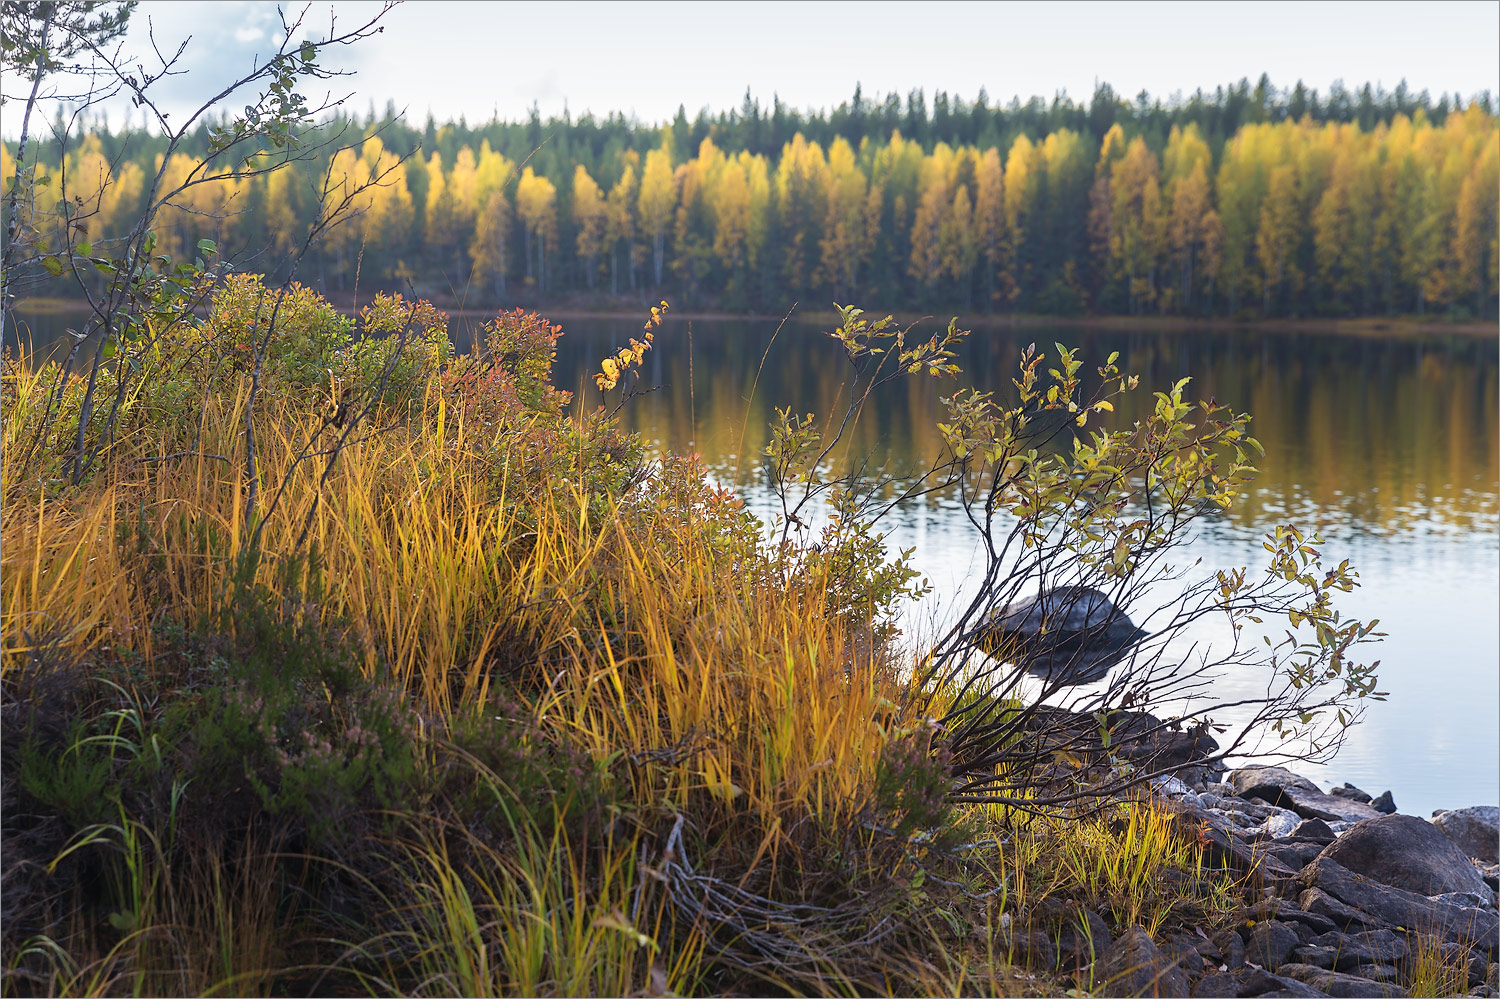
<point x="1385" y="445"/>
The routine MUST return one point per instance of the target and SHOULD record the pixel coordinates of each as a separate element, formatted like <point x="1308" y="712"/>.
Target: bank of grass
<point x="475" y="702"/>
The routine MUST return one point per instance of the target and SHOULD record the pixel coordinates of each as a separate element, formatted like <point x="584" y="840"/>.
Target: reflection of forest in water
<point x="1384" y="435"/>
<point x="1387" y="435"/>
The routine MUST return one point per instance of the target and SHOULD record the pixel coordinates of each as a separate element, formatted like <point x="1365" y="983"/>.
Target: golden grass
<point x="732" y="694"/>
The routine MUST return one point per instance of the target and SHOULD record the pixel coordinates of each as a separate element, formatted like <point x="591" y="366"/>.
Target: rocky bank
<point x="1346" y="890"/>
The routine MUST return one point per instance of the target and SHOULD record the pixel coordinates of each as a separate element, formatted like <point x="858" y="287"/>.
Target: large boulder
<point x="1408" y="853"/>
<point x="1371" y="904"/>
<point x="1066" y="634"/>
<point x="1476" y="830"/>
<point x="1133" y="966"/>
<point x="1280" y="786"/>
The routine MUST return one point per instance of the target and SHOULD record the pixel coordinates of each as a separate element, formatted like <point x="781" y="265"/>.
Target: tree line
<point x="1250" y="202"/>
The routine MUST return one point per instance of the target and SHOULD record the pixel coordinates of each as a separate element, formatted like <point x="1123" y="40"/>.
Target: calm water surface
<point x="1386" y="446"/>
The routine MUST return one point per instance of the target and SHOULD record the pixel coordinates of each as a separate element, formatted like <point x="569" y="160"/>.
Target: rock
<point x="1068" y="634"/>
<point x="1269" y="944"/>
<point x="1352" y="793"/>
<point x="1384" y="804"/>
<point x="1319" y="902"/>
<point x="1259" y="982"/>
<point x="1267" y="782"/>
<point x="1353" y="949"/>
<point x="1231" y="947"/>
<point x="1278" y="825"/>
<point x="1133" y="966"/>
<point x="1183" y="950"/>
<point x="1080" y="934"/>
<point x="1031" y="949"/>
<point x="1457" y="954"/>
<point x="1406" y="852"/>
<point x="1286" y="912"/>
<point x="1475" y="830"/>
<point x="1295" y="855"/>
<point x="1315" y="830"/>
<point x="1467" y="898"/>
<point x="1317" y="956"/>
<point x="1401" y="910"/>
<point x="1218" y="985"/>
<point x="1336" y="983"/>
<point x="1221" y="847"/>
<point x="1376" y="972"/>
<point x="1281" y="787"/>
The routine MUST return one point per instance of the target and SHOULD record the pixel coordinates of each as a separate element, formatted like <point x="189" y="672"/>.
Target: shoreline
<point x="1365" y="326"/>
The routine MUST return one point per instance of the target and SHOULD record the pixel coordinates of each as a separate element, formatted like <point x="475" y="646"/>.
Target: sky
<point x="479" y="60"/>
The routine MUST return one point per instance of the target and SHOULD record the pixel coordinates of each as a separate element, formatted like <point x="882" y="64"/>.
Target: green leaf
<point x="54" y="266"/>
<point x="208" y="247"/>
<point x="85" y="248"/>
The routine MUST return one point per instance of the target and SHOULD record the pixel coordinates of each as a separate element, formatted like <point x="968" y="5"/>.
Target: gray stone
<point x="1319" y="902"/>
<point x="1469" y="898"/>
<point x="1080" y="934"/>
<point x="1281" y="787"/>
<point x="1260" y="782"/>
<point x="1384" y="804"/>
<point x="1456" y="954"/>
<point x="1259" y="982"/>
<point x="1030" y="949"/>
<point x="1376" y="972"/>
<point x="1270" y="943"/>
<point x="1287" y="912"/>
<point x="1278" y="825"/>
<point x="1317" y="956"/>
<point x="1183" y="950"/>
<point x="1402" y="911"/>
<point x="1475" y="830"/>
<point x="1406" y="852"/>
<point x="1231" y="947"/>
<point x="1295" y="855"/>
<point x="1315" y="830"/>
<point x="1221" y="847"/>
<point x="1370" y="947"/>
<point x="1068" y="634"/>
<point x="1351" y="792"/>
<point x="1133" y="966"/>
<point x="1218" y="985"/>
<point x="1336" y="983"/>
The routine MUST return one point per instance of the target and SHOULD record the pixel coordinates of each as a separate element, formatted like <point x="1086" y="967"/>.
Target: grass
<point x="484" y="707"/>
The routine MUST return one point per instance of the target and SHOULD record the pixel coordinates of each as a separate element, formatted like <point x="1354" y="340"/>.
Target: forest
<point x="1247" y="203"/>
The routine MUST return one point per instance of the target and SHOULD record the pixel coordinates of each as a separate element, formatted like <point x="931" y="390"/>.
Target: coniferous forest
<point x="1248" y="202"/>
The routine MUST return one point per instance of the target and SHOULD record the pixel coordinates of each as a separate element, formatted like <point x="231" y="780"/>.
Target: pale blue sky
<point x="646" y="58"/>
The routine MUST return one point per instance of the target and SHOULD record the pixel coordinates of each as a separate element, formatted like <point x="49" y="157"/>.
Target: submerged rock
<point x="1067" y="634"/>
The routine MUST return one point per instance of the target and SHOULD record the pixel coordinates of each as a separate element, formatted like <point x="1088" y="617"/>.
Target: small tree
<point x="1063" y="502"/>
<point x="146" y="295"/>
